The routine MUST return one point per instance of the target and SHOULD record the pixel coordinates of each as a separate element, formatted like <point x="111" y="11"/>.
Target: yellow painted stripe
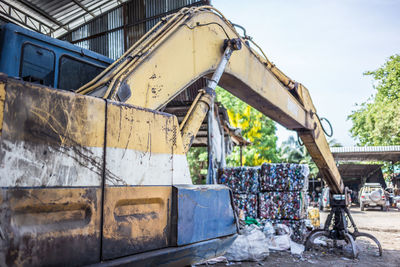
<point x="39" y="114"/>
<point x="142" y="130"/>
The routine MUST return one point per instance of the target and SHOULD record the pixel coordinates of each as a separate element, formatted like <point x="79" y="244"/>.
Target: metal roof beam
<point x="7" y="10"/>
<point x="83" y="7"/>
<point x="42" y="13"/>
<point x="74" y="19"/>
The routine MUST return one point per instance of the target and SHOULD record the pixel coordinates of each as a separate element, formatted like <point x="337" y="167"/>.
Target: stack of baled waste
<point x="283" y="199"/>
<point x="244" y="183"/>
<point x="274" y="193"/>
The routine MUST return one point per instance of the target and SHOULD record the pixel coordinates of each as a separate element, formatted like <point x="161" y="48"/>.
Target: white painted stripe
<point x="40" y="165"/>
<point x="25" y="165"/>
<point x="132" y="167"/>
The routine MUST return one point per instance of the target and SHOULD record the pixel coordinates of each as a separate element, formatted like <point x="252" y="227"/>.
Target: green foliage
<point x="197" y="159"/>
<point x="256" y="128"/>
<point x="377" y="121"/>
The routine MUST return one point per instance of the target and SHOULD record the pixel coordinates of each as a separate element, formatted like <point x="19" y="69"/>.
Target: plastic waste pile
<point x="297" y="228"/>
<point x="282" y="205"/>
<point x="250" y="245"/>
<point x="241" y="180"/>
<point x="248" y="203"/>
<point x="284" y="177"/>
<point x="271" y="192"/>
<point x="254" y="242"/>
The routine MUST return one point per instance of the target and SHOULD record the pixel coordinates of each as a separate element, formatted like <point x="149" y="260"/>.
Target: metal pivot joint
<point x="204" y="101"/>
<point x="336" y="226"/>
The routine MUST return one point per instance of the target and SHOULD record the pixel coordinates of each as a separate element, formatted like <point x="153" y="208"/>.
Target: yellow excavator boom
<point x="188" y="45"/>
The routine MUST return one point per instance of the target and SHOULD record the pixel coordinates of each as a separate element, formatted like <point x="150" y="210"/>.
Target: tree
<point x="256" y="128"/>
<point x="197" y="159"/>
<point x="377" y="121"/>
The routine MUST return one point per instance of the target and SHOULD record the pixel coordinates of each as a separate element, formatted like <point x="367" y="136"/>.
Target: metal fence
<point x="113" y="32"/>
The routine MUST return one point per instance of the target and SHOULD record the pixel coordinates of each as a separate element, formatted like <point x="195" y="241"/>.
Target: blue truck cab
<point x="38" y="58"/>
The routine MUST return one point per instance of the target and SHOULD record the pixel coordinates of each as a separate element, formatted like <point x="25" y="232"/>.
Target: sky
<point x="325" y="45"/>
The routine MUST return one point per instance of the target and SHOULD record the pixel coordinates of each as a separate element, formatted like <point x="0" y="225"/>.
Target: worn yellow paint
<point x="53" y="116"/>
<point x="144" y="130"/>
<point x="136" y="219"/>
<point x="165" y="66"/>
<point x="2" y="99"/>
<point x="194" y="120"/>
<point x="189" y="46"/>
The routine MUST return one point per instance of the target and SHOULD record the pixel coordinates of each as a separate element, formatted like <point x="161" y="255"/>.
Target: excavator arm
<point x="190" y="44"/>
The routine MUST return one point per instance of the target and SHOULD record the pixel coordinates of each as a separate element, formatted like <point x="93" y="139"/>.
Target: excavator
<point x="99" y="176"/>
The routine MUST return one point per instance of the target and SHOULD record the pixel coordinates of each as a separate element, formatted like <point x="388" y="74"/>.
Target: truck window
<point x="73" y="73"/>
<point x="37" y="64"/>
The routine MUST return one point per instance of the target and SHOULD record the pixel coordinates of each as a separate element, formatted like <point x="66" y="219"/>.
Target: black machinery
<point x="337" y="226"/>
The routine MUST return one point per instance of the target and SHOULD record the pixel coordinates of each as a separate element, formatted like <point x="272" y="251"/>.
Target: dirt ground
<point x="385" y="226"/>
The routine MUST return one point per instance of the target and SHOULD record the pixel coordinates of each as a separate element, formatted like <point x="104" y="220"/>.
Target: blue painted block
<point x="201" y="212"/>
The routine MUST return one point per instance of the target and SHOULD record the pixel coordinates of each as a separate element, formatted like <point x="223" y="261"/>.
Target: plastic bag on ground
<point x="268" y="230"/>
<point x="296" y="248"/>
<point x="282" y="229"/>
<point x="280" y="241"/>
<point x="252" y="245"/>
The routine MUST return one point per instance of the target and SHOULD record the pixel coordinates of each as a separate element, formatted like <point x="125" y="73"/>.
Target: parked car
<point x="372" y="195"/>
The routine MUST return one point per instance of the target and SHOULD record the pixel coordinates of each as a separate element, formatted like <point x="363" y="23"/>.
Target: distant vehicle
<point x="372" y="195"/>
<point x="324" y="199"/>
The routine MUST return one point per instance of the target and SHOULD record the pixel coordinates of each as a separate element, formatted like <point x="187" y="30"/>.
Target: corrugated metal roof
<point x="367" y="153"/>
<point x="54" y="18"/>
<point x="365" y="149"/>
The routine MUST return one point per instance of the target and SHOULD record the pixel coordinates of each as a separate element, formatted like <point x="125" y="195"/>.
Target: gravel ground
<point x="385" y="226"/>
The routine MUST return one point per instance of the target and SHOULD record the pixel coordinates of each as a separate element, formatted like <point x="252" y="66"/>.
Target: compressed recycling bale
<point x="282" y="205"/>
<point x="284" y="177"/>
<point x="248" y="203"/>
<point x="240" y="179"/>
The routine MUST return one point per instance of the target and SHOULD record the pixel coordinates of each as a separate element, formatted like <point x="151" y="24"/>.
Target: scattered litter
<point x="268" y="229"/>
<point x="321" y="240"/>
<point x="214" y="261"/>
<point x="280" y="242"/>
<point x="251" y="245"/>
<point x="250" y="220"/>
<point x="296" y="248"/>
